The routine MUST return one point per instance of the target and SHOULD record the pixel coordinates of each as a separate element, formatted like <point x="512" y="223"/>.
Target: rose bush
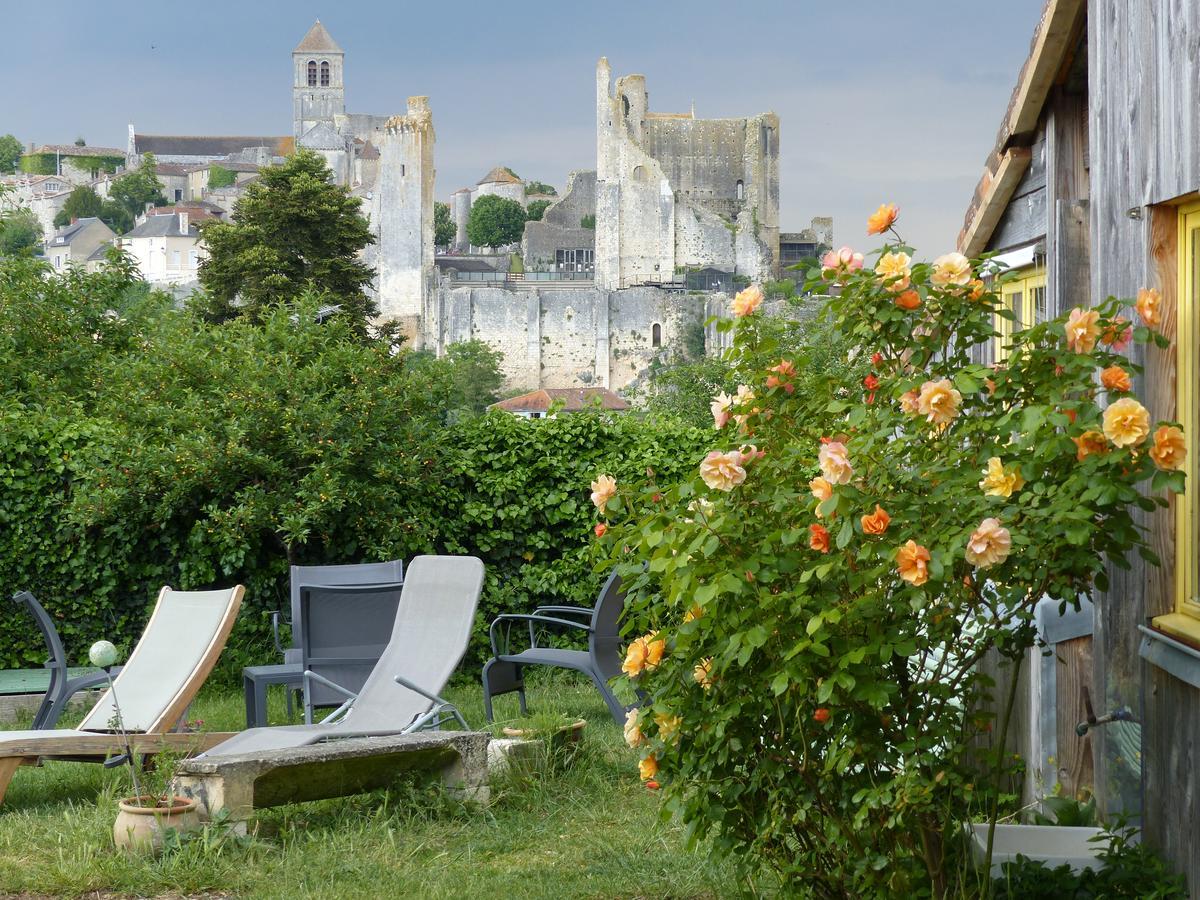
<point x="820" y="593"/>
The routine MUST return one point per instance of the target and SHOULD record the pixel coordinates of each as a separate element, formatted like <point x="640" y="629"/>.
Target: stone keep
<point x="402" y="215"/>
<point x="674" y="191"/>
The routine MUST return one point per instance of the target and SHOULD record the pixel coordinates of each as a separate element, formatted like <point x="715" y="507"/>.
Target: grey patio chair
<point x="601" y="661"/>
<point x="175" y="654"/>
<point x="62" y="686"/>
<point x="402" y="693"/>
<point x="290" y="673"/>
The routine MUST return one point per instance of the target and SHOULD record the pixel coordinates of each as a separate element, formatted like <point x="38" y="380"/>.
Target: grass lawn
<point x="591" y="830"/>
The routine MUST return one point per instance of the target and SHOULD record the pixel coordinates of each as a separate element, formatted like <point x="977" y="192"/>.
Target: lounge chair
<point x="601" y="661"/>
<point x="179" y="647"/>
<point x="401" y="695"/>
<point x="62" y="686"/>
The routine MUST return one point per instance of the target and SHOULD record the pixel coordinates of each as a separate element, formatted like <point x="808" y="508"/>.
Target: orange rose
<point x="913" y="562"/>
<point x="1126" y="423"/>
<point x="1114" y="378"/>
<point x="908" y="403"/>
<point x="1083" y="328"/>
<point x="938" y="401"/>
<point x="635" y="658"/>
<point x="1149" y="307"/>
<point x="1088" y="443"/>
<point x="703" y="673"/>
<point x="818" y="538"/>
<point x="882" y="219"/>
<point x="821" y="489"/>
<point x="747" y="301"/>
<point x="1117" y="334"/>
<point x="877" y="522"/>
<point x="909" y="299"/>
<point x="648" y="767"/>
<point x="975" y="289"/>
<point x="654" y="651"/>
<point x="1170" y="448"/>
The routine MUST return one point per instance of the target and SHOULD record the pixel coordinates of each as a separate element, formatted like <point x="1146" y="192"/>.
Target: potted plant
<point x="144" y="819"/>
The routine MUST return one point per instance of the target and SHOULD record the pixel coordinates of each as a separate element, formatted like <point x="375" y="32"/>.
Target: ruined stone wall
<point x="560" y="225"/>
<point x="402" y="216"/>
<point x="566" y="337"/>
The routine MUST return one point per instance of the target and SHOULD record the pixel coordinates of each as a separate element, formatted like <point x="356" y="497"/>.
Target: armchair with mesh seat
<point x="601" y="662"/>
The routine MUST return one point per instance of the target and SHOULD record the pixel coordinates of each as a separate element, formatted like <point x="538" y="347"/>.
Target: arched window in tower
<point x="312" y="73"/>
<point x="741" y="189"/>
<point x="656" y="335"/>
<point x="324" y="74"/>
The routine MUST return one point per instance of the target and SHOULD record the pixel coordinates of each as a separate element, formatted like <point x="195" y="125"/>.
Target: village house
<point x="74" y="244"/>
<point x="548" y="402"/>
<point x="166" y="248"/>
<point x="1093" y="190"/>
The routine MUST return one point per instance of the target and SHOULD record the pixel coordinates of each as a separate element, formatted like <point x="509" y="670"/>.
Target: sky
<point x="879" y="101"/>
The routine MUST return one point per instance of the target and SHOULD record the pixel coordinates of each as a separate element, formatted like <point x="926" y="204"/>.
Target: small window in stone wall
<point x="656" y="335"/>
<point x="741" y="189"/>
<point x="324" y="74"/>
<point x="625" y="103"/>
<point x="401" y="170"/>
<point x="312" y="73"/>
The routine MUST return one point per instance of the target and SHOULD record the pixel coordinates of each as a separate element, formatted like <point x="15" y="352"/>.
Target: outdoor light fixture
<point x="1135" y="213"/>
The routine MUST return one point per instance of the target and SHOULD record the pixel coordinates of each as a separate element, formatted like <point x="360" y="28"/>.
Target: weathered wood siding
<point x="1024" y="219"/>
<point x="1144" y="97"/>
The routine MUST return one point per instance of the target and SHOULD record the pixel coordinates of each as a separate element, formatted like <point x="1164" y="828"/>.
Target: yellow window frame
<point x="1020" y="295"/>
<point x="1184" y="622"/>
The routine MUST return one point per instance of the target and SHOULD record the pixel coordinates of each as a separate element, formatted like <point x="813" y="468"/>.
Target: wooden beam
<point x="1052" y="43"/>
<point x="992" y="196"/>
<point x="101" y="745"/>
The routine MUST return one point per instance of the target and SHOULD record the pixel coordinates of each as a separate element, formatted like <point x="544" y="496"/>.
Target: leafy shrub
<point x="808" y="647"/>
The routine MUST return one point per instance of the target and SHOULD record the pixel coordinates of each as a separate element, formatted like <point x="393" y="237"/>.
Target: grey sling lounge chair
<point x="62" y="686"/>
<point x="179" y="647"/>
<point x="601" y="661"/>
<point x="430" y="635"/>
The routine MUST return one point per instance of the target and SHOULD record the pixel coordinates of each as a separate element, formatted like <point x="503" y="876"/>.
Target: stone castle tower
<point x="318" y="85"/>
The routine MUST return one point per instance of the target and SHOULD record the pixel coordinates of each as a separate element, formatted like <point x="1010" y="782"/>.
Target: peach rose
<point x="999" y="481"/>
<point x="818" y="538"/>
<point x="693" y="613"/>
<point x="600" y="530"/>
<point x="654" y="651"/>
<point x="1088" y="443"/>
<point x="975" y="289"/>
<point x="603" y="490"/>
<point x="723" y="471"/>
<point x="913" y="562"/>
<point x="988" y="544"/>
<point x="786" y="368"/>
<point x="1149" y="307"/>
<point x="909" y="403"/>
<point x="821" y="489"/>
<point x="835" y="462"/>
<point x="635" y="658"/>
<point x="840" y="262"/>
<point x="877" y="522"/>
<point x="747" y="301"/>
<point x="952" y="268"/>
<point x="721" y="407"/>
<point x="1170" y="448"/>
<point x="668" y="727"/>
<point x="1114" y="378"/>
<point x="633" y="728"/>
<point x="909" y="299"/>
<point x="703" y="673"/>
<point x="1126" y="422"/>
<point x="894" y="270"/>
<point x="938" y="401"/>
<point x="1083" y="328"/>
<point x="1118" y="334"/>
<point x="648" y="767"/>
<point x="882" y="219"/>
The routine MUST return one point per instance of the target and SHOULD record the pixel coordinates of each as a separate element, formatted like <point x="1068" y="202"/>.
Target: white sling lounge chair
<point x="430" y="635"/>
<point x="175" y="654"/>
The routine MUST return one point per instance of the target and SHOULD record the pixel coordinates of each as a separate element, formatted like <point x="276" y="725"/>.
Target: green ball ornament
<point x="102" y="654"/>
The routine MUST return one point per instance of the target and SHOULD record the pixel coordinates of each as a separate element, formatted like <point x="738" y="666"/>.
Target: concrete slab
<point x="243" y="783"/>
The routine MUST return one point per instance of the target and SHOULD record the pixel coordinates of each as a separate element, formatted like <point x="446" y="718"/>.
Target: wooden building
<point x="1093" y="189"/>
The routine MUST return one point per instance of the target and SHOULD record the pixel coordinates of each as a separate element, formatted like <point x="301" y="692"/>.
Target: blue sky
<point x="878" y="100"/>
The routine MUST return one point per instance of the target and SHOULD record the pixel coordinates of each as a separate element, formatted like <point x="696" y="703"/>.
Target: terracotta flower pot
<point x="142" y="827"/>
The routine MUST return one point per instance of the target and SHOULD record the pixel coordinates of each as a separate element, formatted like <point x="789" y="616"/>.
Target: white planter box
<point x="1050" y="844"/>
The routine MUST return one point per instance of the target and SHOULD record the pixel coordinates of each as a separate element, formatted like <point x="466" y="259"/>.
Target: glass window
<point x="1025" y="297"/>
<point x="312" y="73"/>
<point x="324" y="74"/>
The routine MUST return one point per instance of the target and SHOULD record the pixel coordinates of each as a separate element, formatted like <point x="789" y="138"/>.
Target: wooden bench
<point x="245" y="782"/>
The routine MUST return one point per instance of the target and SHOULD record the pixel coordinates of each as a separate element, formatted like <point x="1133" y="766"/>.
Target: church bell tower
<point x="318" y="92"/>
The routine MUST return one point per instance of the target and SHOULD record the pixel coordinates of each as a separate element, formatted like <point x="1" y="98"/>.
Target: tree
<point x="495" y="221"/>
<point x="10" y="154"/>
<point x="219" y="177"/>
<point x="540" y="187"/>
<point x="535" y="210"/>
<point x="293" y="230"/>
<point x="82" y="202"/>
<point x="135" y="189"/>
<point x="20" y="232"/>
<point x="115" y="216"/>
<point x="443" y="226"/>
